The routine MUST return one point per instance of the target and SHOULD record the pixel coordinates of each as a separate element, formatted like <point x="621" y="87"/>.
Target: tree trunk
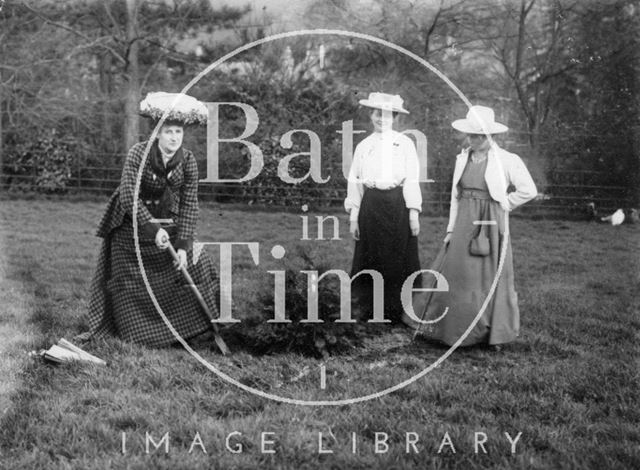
<point x="107" y="139"/>
<point x="635" y="125"/>
<point x="1" y="137"/>
<point x="132" y="94"/>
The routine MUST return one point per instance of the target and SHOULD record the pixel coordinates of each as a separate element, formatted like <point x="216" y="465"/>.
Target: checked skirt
<point x="120" y="305"/>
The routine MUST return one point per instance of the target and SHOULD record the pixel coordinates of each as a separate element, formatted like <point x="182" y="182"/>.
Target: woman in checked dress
<point x="167" y="209"/>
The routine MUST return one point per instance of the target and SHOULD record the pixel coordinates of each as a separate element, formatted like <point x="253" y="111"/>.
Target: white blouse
<point x="384" y="160"/>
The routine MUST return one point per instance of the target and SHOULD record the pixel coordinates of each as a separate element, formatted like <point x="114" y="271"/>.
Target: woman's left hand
<point x="414" y="225"/>
<point x="181" y="262"/>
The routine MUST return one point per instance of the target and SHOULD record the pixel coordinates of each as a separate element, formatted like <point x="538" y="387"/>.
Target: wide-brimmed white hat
<point x="479" y="120"/>
<point x="180" y="108"/>
<point x="385" y="102"/>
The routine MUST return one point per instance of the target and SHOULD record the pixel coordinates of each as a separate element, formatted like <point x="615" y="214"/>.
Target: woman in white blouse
<point x="384" y="202"/>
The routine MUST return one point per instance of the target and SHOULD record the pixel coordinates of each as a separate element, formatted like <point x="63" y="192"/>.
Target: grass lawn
<point x="569" y="384"/>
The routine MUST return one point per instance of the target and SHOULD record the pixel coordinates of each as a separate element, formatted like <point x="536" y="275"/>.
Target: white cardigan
<point x="499" y="161"/>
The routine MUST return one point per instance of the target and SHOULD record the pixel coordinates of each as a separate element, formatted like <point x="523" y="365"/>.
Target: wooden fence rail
<point x="569" y="192"/>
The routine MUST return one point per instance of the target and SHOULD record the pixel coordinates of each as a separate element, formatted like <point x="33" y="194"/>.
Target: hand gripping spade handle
<point x="224" y="349"/>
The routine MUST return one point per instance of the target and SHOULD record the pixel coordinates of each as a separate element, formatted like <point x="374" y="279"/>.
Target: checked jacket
<point x="170" y="192"/>
<point x="119" y="301"/>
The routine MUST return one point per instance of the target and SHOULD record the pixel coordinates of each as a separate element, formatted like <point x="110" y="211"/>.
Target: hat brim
<point x="192" y="118"/>
<point x="175" y="108"/>
<point x="467" y="127"/>
<point x="384" y="107"/>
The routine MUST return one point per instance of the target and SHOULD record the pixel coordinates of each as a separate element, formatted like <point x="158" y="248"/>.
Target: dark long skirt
<point x="119" y="302"/>
<point x="387" y="246"/>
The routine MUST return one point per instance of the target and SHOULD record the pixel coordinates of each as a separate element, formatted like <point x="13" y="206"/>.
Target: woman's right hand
<point x="447" y="237"/>
<point x="355" y="230"/>
<point x="162" y="239"/>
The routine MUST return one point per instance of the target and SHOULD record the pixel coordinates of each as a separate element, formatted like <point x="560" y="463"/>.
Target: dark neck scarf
<point x="156" y="160"/>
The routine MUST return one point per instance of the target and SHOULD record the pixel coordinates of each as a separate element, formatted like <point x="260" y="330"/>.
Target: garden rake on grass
<point x="224" y="349"/>
<point x="422" y="299"/>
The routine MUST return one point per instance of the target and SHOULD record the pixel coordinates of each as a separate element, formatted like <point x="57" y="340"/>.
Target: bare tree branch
<point x="75" y="32"/>
<point x="431" y="29"/>
<point x="114" y="23"/>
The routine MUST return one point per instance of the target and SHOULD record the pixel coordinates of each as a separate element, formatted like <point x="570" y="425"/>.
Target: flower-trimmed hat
<point x="385" y="102"/>
<point x="180" y="108"/>
<point x="479" y="120"/>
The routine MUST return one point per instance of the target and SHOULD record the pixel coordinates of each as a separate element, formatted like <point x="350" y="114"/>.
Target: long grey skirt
<point x="470" y="278"/>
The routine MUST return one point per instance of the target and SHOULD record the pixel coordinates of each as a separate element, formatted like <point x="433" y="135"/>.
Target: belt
<point x="373" y="186"/>
<point x="163" y="221"/>
<point x="475" y="194"/>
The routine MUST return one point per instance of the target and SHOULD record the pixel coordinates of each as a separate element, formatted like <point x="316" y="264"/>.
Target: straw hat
<point x="479" y="120"/>
<point x="180" y="108"/>
<point x="385" y="102"/>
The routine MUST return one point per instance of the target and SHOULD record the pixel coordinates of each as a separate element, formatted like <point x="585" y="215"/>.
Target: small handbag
<point x="479" y="245"/>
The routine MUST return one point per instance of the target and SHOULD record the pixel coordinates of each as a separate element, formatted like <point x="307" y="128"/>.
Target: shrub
<point x="282" y="105"/>
<point x="43" y="164"/>
<point x="269" y="188"/>
<point x="311" y="339"/>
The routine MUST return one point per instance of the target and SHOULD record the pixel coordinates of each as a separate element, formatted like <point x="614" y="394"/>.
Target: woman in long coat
<point x="479" y="199"/>
<point x="167" y="209"/>
<point x="384" y="202"/>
